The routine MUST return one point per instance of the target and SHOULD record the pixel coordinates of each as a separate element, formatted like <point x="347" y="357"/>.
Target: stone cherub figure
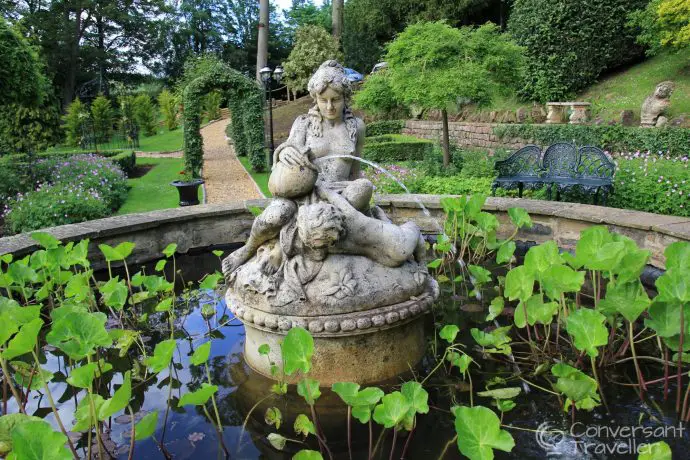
<point x="655" y="105"/>
<point x="319" y="238"/>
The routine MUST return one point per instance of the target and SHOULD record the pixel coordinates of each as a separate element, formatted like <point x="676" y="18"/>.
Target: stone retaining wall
<point x="464" y="134"/>
<point x="200" y="227"/>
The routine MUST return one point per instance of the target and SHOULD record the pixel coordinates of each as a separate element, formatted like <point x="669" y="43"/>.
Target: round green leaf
<point x="146" y="426"/>
<point x="479" y="432"/>
<point x="201" y="354"/>
<point x="588" y="330"/>
<point x="297" y="349"/>
<point x="198" y="397"/>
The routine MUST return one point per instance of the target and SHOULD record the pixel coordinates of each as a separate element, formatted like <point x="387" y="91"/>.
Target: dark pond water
<point x="187" y="434"/>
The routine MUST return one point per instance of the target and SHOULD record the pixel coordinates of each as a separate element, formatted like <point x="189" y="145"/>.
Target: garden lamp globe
<point x="278" y="74"/>
<point x="265" y="74"/>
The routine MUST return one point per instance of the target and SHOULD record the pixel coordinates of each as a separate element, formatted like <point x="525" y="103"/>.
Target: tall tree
<point x="337" y="20"/>
<point x="468" y="63"/>
<point x="262" y="41"/>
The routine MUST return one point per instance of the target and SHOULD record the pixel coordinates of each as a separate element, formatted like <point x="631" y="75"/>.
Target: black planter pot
<point x="189" y="191"/>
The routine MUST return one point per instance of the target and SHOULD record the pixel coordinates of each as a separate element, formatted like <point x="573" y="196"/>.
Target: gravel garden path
<point x="226" y="179"/>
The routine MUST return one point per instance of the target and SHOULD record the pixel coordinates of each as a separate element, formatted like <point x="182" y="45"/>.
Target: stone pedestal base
<point x="363" y="358"/>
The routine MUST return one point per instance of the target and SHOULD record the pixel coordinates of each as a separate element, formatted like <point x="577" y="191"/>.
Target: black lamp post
<point x="268" y="76"/>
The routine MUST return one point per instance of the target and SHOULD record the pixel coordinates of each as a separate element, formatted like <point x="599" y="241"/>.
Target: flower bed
<point x="69" y="190"/>
<point x="651" y="182"/>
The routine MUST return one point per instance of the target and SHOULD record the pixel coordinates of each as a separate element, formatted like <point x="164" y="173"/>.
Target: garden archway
<point x="246" y="107"/>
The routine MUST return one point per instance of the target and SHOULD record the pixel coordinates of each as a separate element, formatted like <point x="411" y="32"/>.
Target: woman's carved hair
<point x="331" y="74"/>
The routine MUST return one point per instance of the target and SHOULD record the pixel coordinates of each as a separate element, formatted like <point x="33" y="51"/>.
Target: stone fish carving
<point x="320" y="256"/>
<point x="655" y="105"/>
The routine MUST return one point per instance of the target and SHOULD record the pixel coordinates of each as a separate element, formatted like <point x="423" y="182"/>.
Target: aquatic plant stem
<point x="447" y="446"/>
<point x="319" y="432"/>
<point x="7" y="374"/>
<point x="665" y="369"/>
<point x="246" y="420"/>
<point x="132" y="435"/>
<point x="51" y="401"/>
<point x="371" y="439"/>
<point x="349" y="431"/>
<point x="680" y="359"/>
<point x="219" y="427"/>
<point x="640" y="379"/>
<point x="395" y="438"/>
<point x="407" y="443"/>
<point x="596" y="377"/>
<point x="94" y="414"/>
<point x="684" y="413"/>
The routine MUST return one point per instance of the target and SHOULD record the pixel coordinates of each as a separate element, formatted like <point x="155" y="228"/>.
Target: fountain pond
<point x="181" y="372"/>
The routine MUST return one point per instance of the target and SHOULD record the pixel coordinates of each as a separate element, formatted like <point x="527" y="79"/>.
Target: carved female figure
<point x="312" y="166"/>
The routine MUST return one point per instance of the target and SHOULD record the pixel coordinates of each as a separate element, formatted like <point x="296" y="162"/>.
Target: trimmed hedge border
<point x="379" y="128"/>
<point x="617" y="138"/>
<point x="396" y="147"/>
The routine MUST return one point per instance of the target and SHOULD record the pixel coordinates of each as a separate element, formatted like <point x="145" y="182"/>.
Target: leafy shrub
<point x="75" y="120"/>
<point x="70" y="189"/>
<point x="145" y="114"/>
<point x="377" y="98"/>
<point x="14" y="176"/>
<point x="29" y="129"/>
<point x="167" y="104"/>
<point x="53" y="205"/>
<point x="663" y="23"/>
<point x="453" y="185"/>
<point x="128" y="118"/>
<point x="312" y="46"/>
<point x="123" y="159"/>
<point x="617" y="138"/>
<point x="212" y="105"/>
<point x="396" y="147"/>
<point x="379" y="128"/>
<point x="103" y="116"/>
<point x="390" y="182"/>
<point x="21" y="75"/>
<point x="653" y="183"/>
<point x="570" y="43"/>
<point x="91" y="172"/>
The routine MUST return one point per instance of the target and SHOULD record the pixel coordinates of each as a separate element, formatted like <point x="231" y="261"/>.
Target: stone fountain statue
<point x="321" y="257"/>
<point x="655" y="105"/>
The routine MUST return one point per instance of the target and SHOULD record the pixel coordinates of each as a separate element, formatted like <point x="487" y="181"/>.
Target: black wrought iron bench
<point x="562" y="166"/>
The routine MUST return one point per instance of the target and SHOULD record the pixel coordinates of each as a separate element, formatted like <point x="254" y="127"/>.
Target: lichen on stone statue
<point x="655" y="105"/>
<point x="320" y="256"/>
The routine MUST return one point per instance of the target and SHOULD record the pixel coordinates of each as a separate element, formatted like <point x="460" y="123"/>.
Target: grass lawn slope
<point x="626" y="90"/>
<point x="152" y="190"/>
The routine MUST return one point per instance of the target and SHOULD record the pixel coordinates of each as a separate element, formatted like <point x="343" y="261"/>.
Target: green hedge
<point x="126" y="160"/>
<point x="617" y="138"/>
<point x="568" y="44"/>
<point x="245" y="101"/>
<point x="396" y="147"/>
<point x="379" y="128"/>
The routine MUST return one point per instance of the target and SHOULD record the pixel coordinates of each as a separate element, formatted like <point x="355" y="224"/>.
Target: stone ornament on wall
<point x="655" y="105"/>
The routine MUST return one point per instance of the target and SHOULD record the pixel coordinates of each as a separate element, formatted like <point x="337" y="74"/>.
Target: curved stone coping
<point x="339" y="325"/>
<point x="553" y="220"/>
<point x="198" y="227"/>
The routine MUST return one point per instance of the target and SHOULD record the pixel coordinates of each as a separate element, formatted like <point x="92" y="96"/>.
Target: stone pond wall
<point x="198" y="228"/>
<point x="464" y="134"/>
